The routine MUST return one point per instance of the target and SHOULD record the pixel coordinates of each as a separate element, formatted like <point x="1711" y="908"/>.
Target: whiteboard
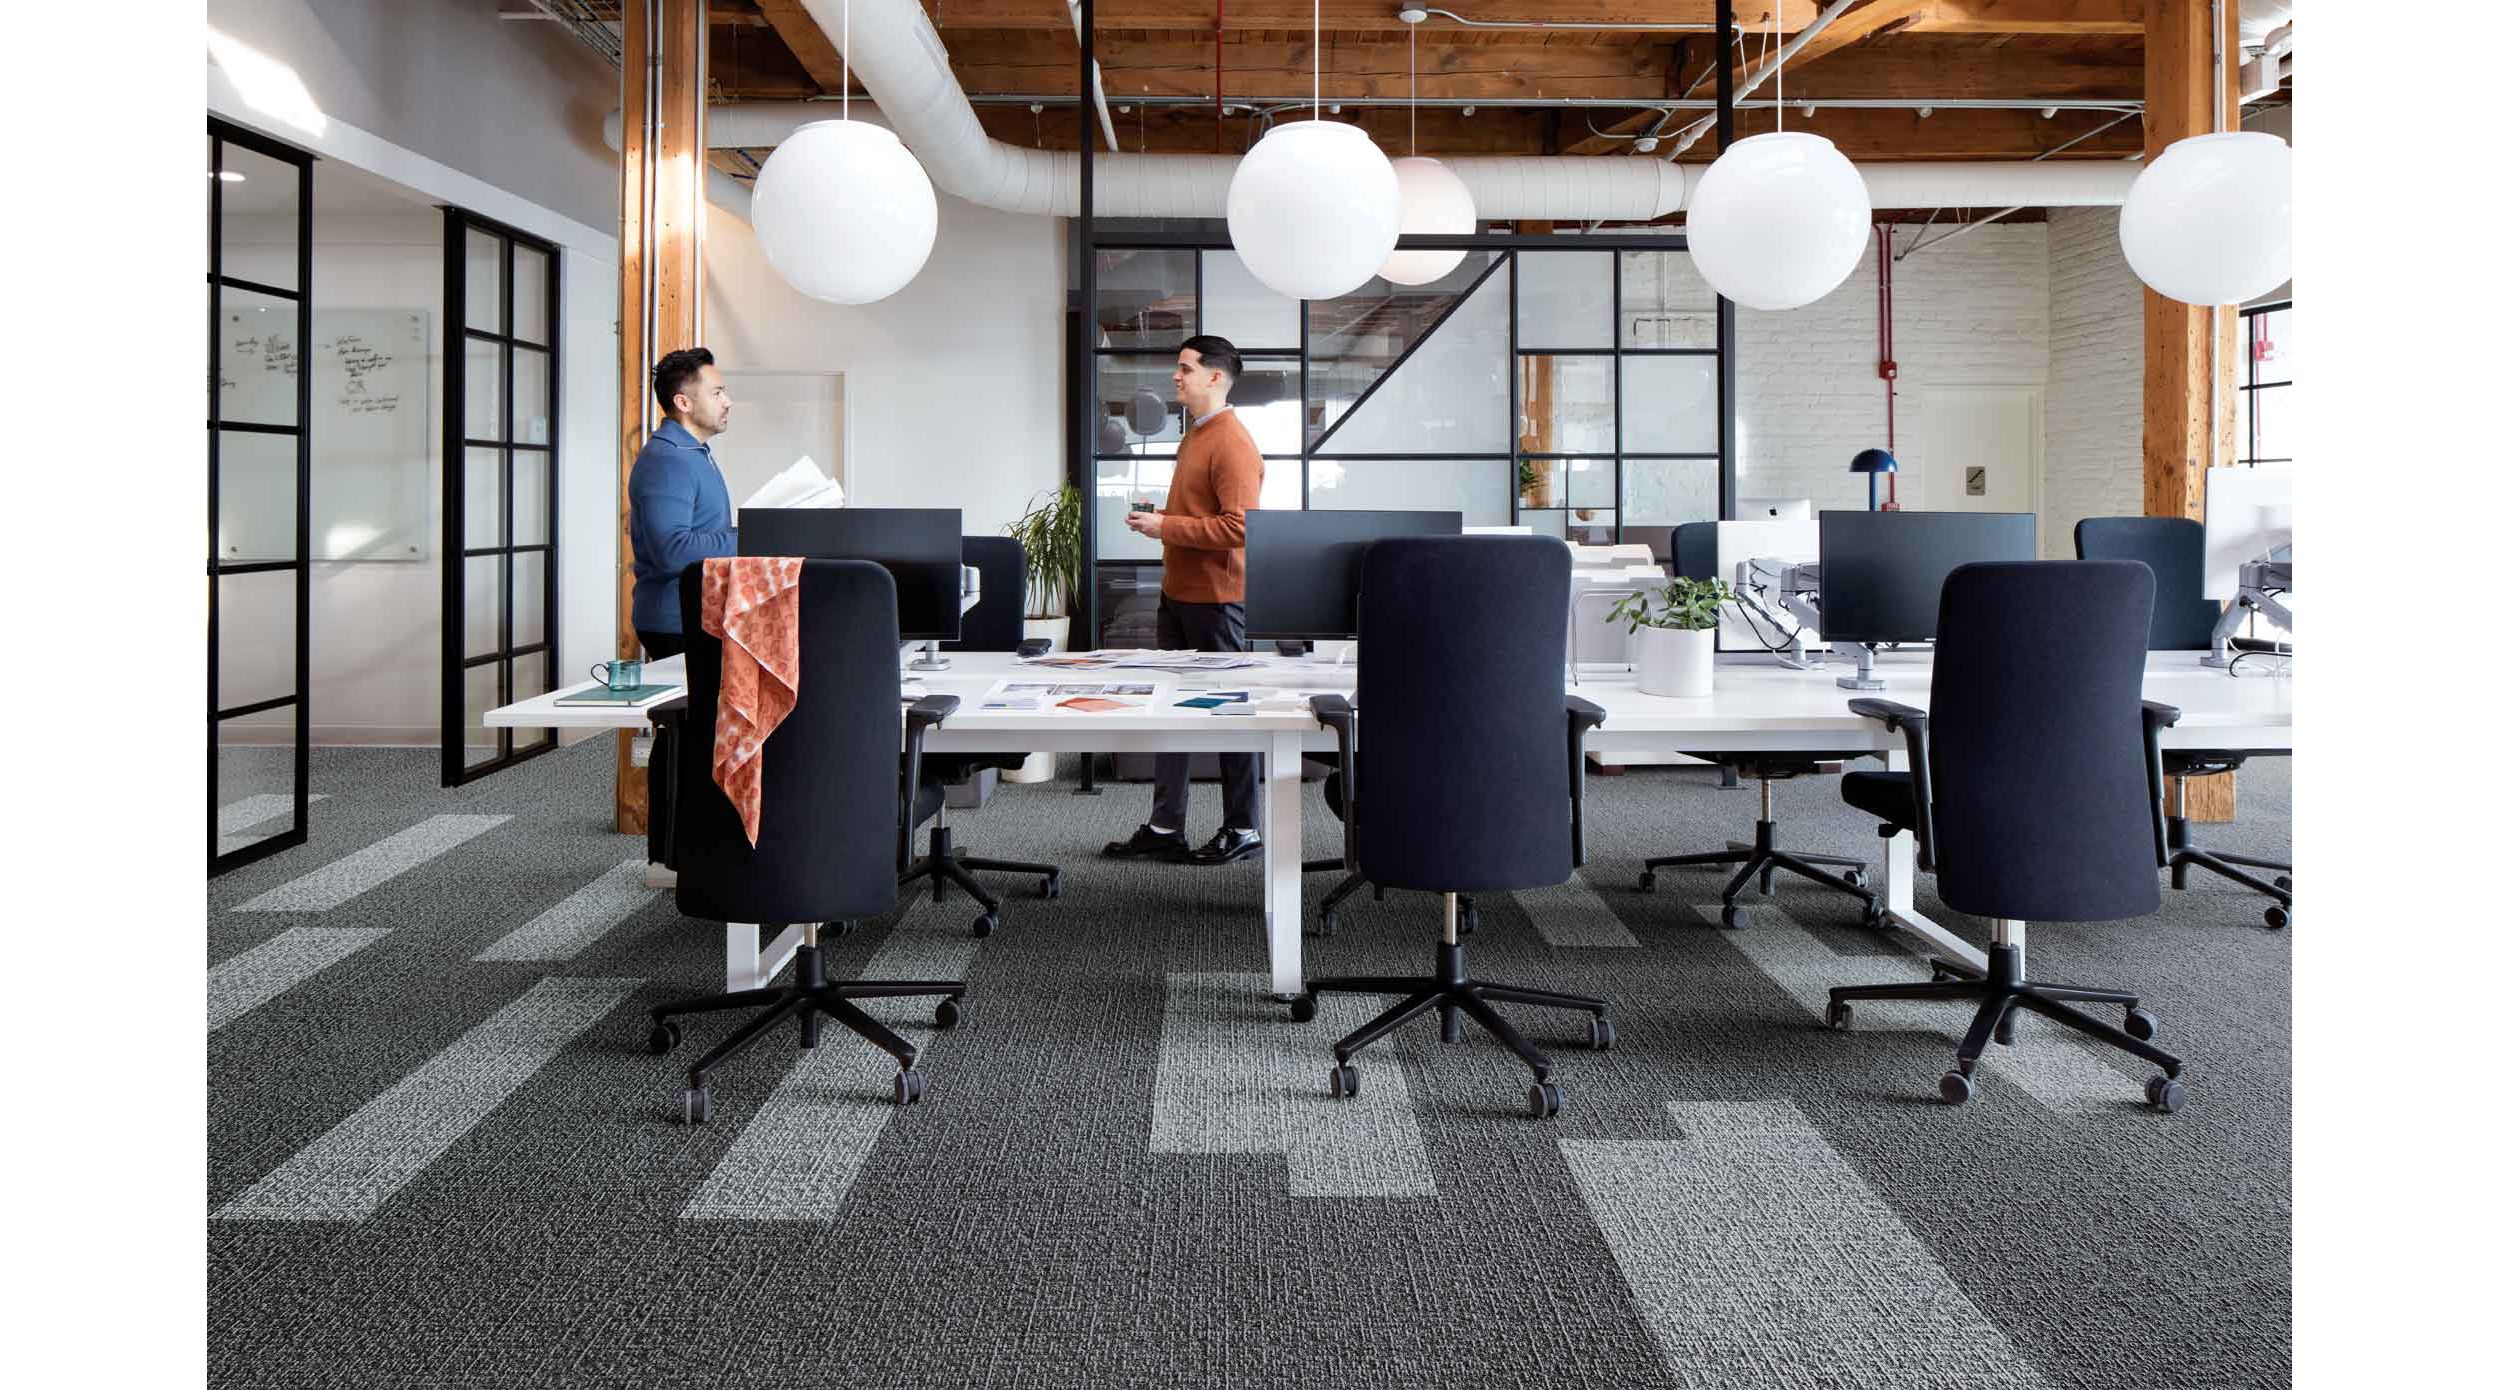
<point x="371" y="441"/>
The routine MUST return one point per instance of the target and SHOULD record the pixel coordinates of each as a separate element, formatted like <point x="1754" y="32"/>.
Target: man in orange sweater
<point x="1215" y="481"/>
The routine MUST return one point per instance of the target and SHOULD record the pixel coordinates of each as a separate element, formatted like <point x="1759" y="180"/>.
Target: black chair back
<point x="2037" y="754"/>
<point x="2183" y="618"/>
<point x="996" y="623"/>
<point x="831" y="797"/>
<point x="1462" y="782"/>
<point x="1694" y="550"/>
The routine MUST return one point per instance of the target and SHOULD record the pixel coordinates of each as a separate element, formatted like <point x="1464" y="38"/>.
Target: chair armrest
<point x="2157" y="717"/>
<point x="1579" y="716"/>
<point x="1335" y="714"/>
<point x="1033" y="646"/>
<point x="1911" y="724"/>
<point x="919" y="718"/>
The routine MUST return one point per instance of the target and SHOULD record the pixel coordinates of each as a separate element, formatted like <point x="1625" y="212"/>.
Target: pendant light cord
<point x="1315" y="59"/>
<point x="1779" y="73"/>
<point x="1411" y="94"/>
<point x="846" y="59"/>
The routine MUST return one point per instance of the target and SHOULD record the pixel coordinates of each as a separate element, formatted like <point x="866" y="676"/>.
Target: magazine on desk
<point x="1142" y="660"/>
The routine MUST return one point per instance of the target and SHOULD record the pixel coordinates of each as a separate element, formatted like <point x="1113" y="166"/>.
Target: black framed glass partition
<point x="1572" y="384"/>
<point x="500" y="365"/>
<point x="2268" y="423"/>
<point x="259" y="495"/>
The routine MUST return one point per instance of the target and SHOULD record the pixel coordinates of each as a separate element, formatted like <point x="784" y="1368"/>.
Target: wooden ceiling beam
<point x="2121" y="17"/>
<point x="806" y="40"/>
<point x="1379" y="16"/>
<point x="1133" y="66"/>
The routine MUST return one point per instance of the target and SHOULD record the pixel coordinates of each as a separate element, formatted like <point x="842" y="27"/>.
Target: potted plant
<point x="1671" y="641"/>
<point x="1052" y="533"/>
<point x="1536" y="483"/>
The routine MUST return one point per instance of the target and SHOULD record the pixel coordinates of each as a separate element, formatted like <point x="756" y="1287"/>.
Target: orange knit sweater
<point x="1215" y="481"/>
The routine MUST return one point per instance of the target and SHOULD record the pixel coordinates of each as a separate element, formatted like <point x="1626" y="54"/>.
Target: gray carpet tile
<point x="1126" y="1171"/>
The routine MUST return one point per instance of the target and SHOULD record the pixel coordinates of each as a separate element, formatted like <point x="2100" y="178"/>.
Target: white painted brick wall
<point x="2095" y="406"/>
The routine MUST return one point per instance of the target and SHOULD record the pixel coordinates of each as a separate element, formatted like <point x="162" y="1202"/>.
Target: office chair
<point x="2029" y="799"/>
<point x="1696" y="551"/>
<point x="2183" y="620"/>
<point x="833" y="812"/>
<point x="995" y="624"/>
<point x="1465" y="732"/>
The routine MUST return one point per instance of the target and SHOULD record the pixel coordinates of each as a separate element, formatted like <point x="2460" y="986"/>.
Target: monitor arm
<point x="2260" y="580"/>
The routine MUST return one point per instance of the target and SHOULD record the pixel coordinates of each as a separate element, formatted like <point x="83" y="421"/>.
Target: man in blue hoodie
<point x="679" y="499"/>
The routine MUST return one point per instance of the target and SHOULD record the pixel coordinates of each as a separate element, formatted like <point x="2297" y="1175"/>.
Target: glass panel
<point x="529" y="293"/>
<point x="1477" y="489"/>
<point x="1539" y="482"/>
<point x="1269" y="401"/>
<point x="481" y="492"/>
<point x="1145" y="299"/>
<point x="255" y="358"/>
<point x="256" y="479"/>
<point x="255" y="637"/>
<point x="1666" y="303"/>
<point x="1567" y="300"/>
<point x="1135" y="403"/>
<point x="485" y="283"/>
<point x="1590" y="483"/>
<point x="2270" y="339"/>
<point x="483" y="387"/>
<point x="1589" y="526"/>
<point x="1118" y="483"/>
<point x="1126" y="597"/>
<point x="482" y="598"/>
<point x="1281" y="489"/>
<point x="479" y="692"/>
<point x="529" y="498"/>
<point x="529" y="677"/>
<point x="1668" y="492"/>
<point x="1566" y="405"/>
<point x="1548" y="522"/>
<point x="532" y="401"/>
<point x="1448" y="397"/>
<point x="1670" y="405"/>
<point x="529" y="598"/>
<point x="260" y="200"/>
<point x="1240" y="308"/>
<point x="2275" y="424"/>
<point x="255" y="778"/>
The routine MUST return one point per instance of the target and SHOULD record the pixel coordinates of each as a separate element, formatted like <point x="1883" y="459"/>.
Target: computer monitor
<point x="1302" y="568"/>
<point x="1883" y="572"/>
<point x="2248" y="516"/>
<point x="922" y="547"/>
<point x="1774" y="509"/>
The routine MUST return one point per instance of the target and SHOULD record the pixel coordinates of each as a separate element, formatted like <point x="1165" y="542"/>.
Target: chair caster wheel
<point x="1855" y="878"/>
<point x="1544" y="1099"/>
<point x="951" y="1011"/>
<point x="907" y="1086"/>
<point x="984" y="924"/>
<point x="1344" y="1081"/>
<point x="1734" y="917"/>
<point x="1874" y="918"/>
<point x="837" y="928"/>
<point x="1049" y="886"/>
<point x="2283" y="881"/>
<point x="663" y="1037"/>
<point x="1648" y="881"/>
<point x="694" y="1105"/>
<point x="1328" y="922"/>
<point x="1955" y="1088"/>
<point x="2141" y="1025"/>
<point x="2278" y="917"/>
<point x="1601" y="1035"/>
<point x="1305" y="1007"/>
<point x="1836" y="1016"/>
<point x="2166" y="1094"/>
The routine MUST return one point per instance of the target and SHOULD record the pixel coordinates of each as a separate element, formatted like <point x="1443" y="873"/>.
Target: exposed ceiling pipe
<point x="1110" y="133"/>
<point x="1416" y="15"/>
<point x="2262" y="75"/>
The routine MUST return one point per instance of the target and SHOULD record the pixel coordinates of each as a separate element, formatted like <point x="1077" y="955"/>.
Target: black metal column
<point x="1727" y="311"/>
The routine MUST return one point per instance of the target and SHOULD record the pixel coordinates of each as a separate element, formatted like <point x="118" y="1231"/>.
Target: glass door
<point x="500" y="295"/>
<point x="259" y="504"/>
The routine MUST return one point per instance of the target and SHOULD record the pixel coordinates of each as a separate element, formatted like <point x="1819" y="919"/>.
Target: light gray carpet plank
<point x="797" y="1158"/>
<point x="1235" y="1075"/>
<point x="1761" y="1260"/>
<point x="347" y="1174"/>
<point x="376" y="864"/>
<point x="242" y="983"/>
<point x="575" y="924"/>
<point x="237" y="816"/>
<point x="1572" y="914"/>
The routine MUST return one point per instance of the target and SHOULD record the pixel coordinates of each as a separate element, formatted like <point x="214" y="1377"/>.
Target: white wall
<point x="2095" y="404"/>
<point x="954" y="388"/>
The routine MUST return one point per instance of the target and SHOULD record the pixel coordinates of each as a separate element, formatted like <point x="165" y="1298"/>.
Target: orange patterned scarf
<point x="751" y="603"/>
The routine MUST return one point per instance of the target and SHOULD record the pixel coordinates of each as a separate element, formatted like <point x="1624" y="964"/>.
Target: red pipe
<point x="1885" y="366"/>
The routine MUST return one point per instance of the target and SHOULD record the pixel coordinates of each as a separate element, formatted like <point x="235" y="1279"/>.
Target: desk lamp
<point x="1871" y="462"/>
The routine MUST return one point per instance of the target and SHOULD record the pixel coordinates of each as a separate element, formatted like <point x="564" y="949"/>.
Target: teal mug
<point x="618" y="675"/>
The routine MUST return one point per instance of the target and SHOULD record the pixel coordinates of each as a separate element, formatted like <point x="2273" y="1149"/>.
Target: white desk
<point x="1758" y="706"/>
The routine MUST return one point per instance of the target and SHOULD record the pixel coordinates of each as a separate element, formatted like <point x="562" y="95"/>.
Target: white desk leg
<point x="745" y="965"/>
<point x="1282" y="846"/>
<point x="1901" y="889"/>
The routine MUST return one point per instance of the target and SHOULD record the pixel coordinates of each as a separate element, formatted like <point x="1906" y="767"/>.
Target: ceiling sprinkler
<point x="1647" y="144"/>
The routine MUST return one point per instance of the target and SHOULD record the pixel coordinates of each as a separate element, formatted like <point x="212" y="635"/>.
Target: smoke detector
<point x="1647" y="144"/>
<point x="1410" y="16"/>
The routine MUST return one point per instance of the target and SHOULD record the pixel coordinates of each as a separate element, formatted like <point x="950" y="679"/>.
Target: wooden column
<point x="659" y="269"/>
<point x="2190" y="418"/>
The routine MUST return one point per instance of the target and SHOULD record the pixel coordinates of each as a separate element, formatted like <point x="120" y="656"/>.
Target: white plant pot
<point x="1039" y="767"/>
<point x="1672" y="662"/>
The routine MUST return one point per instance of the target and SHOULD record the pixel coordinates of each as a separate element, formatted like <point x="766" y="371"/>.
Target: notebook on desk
<point x="636" y="696"/>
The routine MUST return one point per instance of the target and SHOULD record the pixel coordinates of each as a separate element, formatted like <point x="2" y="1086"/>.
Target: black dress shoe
<point x="1148" y="843"/>
<point x="1228" y="845"/>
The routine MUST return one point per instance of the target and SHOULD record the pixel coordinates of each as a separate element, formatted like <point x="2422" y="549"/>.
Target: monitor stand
<point x="1865" y="678"/>
<point x="2260" y="580"/>
<point x="930" y="660"/>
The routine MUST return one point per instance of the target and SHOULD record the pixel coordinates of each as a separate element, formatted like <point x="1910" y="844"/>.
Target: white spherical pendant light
<point x="1779" y="220"/>
<point x="2209" y="221"/>
<point x="1313" y="209"/>
<point x="844" y="212"/>
<point x="1432" y="201"/>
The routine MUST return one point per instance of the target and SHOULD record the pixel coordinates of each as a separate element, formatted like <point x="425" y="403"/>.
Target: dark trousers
<point x="660" y="779"/>
<point x="1204" y="627"/>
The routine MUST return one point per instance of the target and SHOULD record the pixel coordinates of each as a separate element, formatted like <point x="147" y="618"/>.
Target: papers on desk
<point x="1028" y="696"/>
<point x="634" y="698"/>
<point x="1145" y="661"/>
<point x="801" y="484"/>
